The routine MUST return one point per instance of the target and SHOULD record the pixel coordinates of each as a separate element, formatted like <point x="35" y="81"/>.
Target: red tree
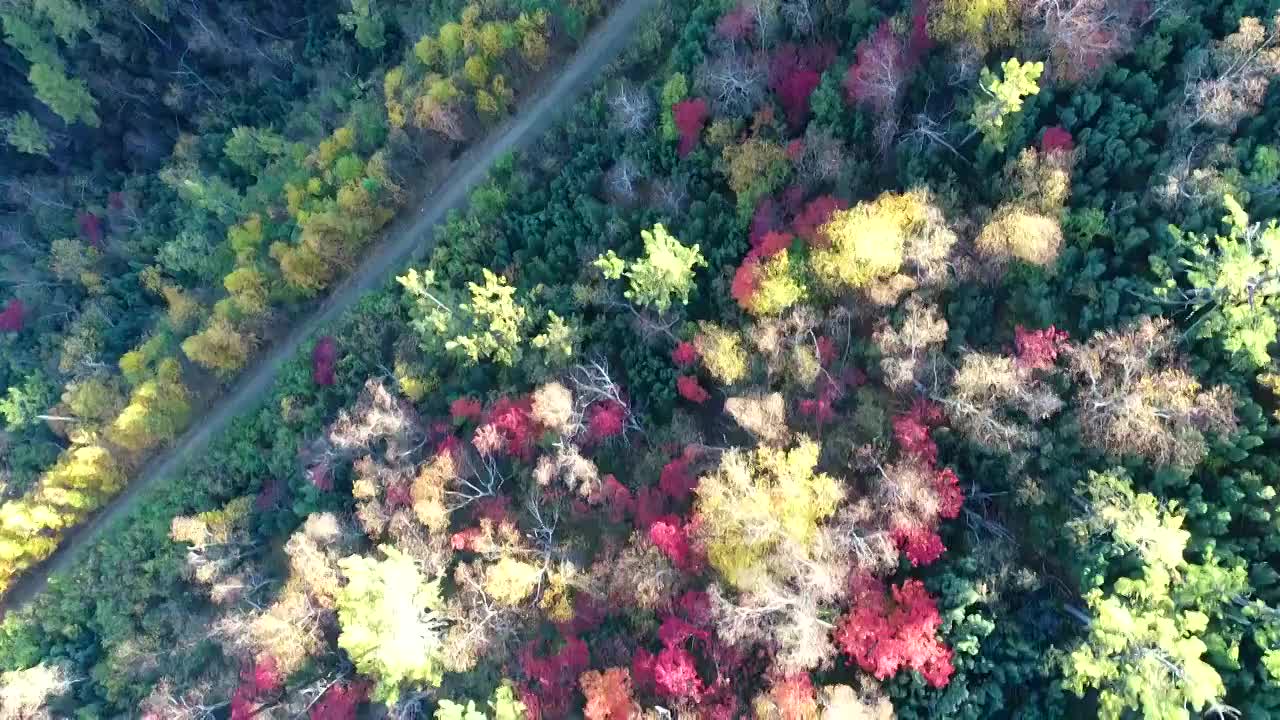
<point x="1038" y="349"/>
<point x="689" y="116"/>
<point x="13" y="317"/>
<point x="605" y="419"/>
<point x="553" y="678"/>
<point x="1056" y="139"/>
<point x="746" y="281"/>
<point x="736" y="24"/>
<point x="514" y="421"/>
<point x="885" y="632"/>
<point x="90" y="228"/>
<point x="815" y="214"/>
<point x="608" y="694"/>
<point x="677" y="481"/>
<point x="672" y="538"/>
<point x="340" y="701"/>
<point x="323" y="358"/>
<point x="684" y="354"/>
<point x="690" y="390"/>
<point x="466" y="409"/>
<point x="793" y="82"/>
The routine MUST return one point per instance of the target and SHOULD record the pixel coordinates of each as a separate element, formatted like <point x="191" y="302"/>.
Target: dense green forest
<point x="831" y="360"/>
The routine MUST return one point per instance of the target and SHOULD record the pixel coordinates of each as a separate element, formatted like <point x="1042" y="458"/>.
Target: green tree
<point x="367" y="22"/>
<point x="25" y="134"/>
<point x="67" y="97"/>
<point x="1000" y="97"/>
<point x="489" y="327"/>
<point x="253" y="148"/>
<point x="663" y="275"/>
<point x="389" y="622"/>
<point x="675" y="89"/>
<point x="1232" y="280"/>
<point x="1144" y="645"/>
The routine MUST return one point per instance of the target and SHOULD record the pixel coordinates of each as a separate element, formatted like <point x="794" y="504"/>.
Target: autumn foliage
<point x="889" y="630"/>
<point x="323" y="358"/>
<point x="689" y="116"/>
<point x="13" y="317"/>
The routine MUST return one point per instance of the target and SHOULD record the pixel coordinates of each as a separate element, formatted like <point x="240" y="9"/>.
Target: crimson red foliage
<point x="514" y="420"/>
<point x="466" y="539"/>
<point x="676" y="480"/>
<point x="650" y="506"/>
<point x="1038" y="349"/>
<point x="885" y="632"/>
<point x="554" y="678"/>
<point x="818" y="409"/>
<point x="340" y="701"/>
<point x="675" y="631"/>
<point x="690" y="390"/>
<point x="321" y="476"/>
<point x="605" y="419"/>
<point x="14" y="316"/>
<point x="617" y="499"/>
<point x="684" y="354"/>
<point x="466" y="409"/>
<point x="921" y="545"/>
<point x="256" y="683"/>
<point x="950" y="496"/>
<point x="689" y="116"/>
<point x="826" y="350"/>
<point x="746" y="281"/>
<point x="323" y="358"/>
<point x="795" y="150"/>
<point x="675" y="675"/>
<point x="1057" y="139"/>
<point x="672" y="538"/>
<point x="695" y="606"/>
<point x="919" y="42"/>
<point x="771" y="244"/>
<point x="90" y="227"/>
<point x="913" y="438"/>
<point x="736" y="24"/>
<point x="764" y="219"/>
<point x="793" y="76"/>
<point x="815" y="214"/>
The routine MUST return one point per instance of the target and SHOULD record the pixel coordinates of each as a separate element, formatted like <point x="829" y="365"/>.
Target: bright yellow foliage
<point x="756" y="501"/>
<point x="985" y="24"/>
<point x="777" y="286"/>
<point x="722" y="352"/>
<point x="510" y="581"/>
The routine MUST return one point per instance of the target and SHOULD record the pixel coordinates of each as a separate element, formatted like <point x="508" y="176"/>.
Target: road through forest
<point x="411" y="236"/>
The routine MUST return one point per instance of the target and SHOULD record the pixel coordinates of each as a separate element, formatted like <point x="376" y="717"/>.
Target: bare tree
<point x="734" y="80"/>
<point x="1228" y="82"/>
<point x="1083" y="36"/>
<point x="1136" y="398"/>
<point x="632" y="109"/>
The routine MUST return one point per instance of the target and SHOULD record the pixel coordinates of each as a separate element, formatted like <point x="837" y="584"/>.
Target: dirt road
<point x="412" y="235"/>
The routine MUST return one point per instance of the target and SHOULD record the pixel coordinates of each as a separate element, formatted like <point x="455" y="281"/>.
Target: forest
<point x="876" y="359"/>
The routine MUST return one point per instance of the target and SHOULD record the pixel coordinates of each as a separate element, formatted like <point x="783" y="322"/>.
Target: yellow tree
<point x="758" y="500"/>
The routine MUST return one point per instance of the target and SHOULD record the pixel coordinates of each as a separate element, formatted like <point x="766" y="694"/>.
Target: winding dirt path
<point x="411" y="236"/>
